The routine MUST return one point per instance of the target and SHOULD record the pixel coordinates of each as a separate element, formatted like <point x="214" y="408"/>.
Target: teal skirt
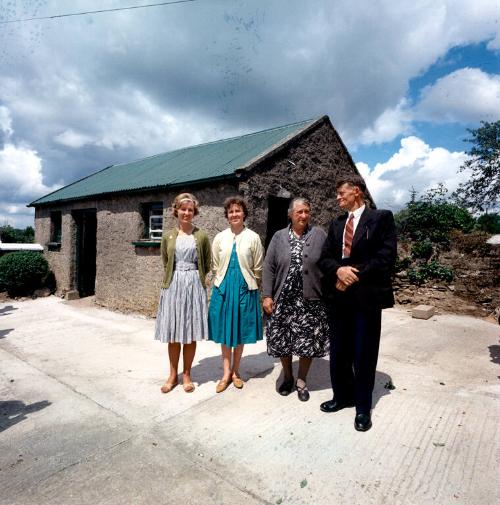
<point x="234" y="316"/>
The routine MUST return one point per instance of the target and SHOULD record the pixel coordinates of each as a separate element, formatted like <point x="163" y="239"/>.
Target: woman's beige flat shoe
<point x="188" y="387"/>
<point x="221" y="386"/>
<point x="238" y="382"/>
<point x="168" y="386"/>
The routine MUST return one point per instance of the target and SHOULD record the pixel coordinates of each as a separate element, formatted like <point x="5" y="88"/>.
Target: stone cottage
<point x="101" y="234"/>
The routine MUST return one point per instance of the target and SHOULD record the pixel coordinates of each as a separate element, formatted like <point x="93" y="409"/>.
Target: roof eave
<point x="134" y="191"/>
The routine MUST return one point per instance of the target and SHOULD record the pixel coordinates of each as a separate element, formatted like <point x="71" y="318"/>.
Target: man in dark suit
<point x="357" y="260"/>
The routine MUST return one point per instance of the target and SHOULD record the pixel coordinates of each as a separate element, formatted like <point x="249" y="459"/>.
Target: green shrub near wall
<point x="22" y="272"/>
<point x="432" y="270"/>
<point x="432" y="217"/>
<point x="422" y="249"/>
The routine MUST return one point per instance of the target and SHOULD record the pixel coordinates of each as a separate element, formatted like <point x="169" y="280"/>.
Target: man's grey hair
<point x="299" y="199"/>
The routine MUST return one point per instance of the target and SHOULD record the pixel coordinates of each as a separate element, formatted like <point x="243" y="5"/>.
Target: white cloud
<point x="415" y="166"/>
<point x="21" y="172"/>
<point x="73" y="139"/>
<point x="21" y="217"/>
<point x="5" y="121"/>
<point x="466" y="95"/>
<point x="391" y="123"/>
<point x="159" y="130"/>
<point x="20" y="175"/>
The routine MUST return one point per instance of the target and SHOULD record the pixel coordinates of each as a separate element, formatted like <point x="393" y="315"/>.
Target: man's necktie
<point x="348" y="235"/>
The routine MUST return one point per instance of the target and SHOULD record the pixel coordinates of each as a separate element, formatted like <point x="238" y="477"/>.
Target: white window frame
<point x="155" y="222"/>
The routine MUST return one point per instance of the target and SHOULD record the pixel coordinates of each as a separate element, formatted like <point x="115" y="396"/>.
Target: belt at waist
<point x="183" y="266"/>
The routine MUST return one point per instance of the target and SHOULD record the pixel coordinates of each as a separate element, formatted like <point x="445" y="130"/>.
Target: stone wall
<point x="474" y="290"/>
<point x="307" y="167"/>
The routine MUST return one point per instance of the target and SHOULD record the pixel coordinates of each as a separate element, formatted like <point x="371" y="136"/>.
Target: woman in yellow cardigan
<point x="235" y="314"/>
<point x="182" y="311"/>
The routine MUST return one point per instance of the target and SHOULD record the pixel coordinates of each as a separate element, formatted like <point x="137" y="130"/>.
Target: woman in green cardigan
<point x="182" y="311"/>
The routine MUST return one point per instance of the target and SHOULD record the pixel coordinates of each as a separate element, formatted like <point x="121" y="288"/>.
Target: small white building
<point x="9" y="247"/>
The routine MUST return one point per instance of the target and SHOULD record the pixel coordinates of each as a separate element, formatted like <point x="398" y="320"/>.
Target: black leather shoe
<point x="302" y="393"/>
<point x="286" y="387"/>
<point x="362" y="422"/>
<point x="334" y="405"/>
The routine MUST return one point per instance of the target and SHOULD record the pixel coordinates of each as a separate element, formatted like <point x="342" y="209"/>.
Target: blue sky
<point x="401" y="81"/>
<point x="451" y="135"/>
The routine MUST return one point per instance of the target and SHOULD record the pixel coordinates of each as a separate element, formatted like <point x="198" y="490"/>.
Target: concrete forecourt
<point x="82" y="419"/>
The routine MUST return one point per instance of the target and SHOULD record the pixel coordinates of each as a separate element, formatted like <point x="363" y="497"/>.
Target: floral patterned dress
<point x="297" y="327"/>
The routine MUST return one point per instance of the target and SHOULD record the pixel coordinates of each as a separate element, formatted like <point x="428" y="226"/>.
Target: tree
<point x="8" y="234"/>
<point x="482" y="191"/>
<point x="489" y="223"/>
<point x="432" y="216"/>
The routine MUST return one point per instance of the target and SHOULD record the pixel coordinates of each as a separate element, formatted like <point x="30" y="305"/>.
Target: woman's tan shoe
<point x="188" y="387"/>
<point x="237" y="381"/>
<point x="222" y="386"/>
<point x="168" y="386"/>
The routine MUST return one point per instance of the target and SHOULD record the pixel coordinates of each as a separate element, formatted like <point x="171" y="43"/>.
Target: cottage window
<point x="153" y="220"/>
<point x="55" y="227"/>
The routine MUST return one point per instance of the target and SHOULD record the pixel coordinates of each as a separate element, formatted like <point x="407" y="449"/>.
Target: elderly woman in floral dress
<point x="291" y="282"/>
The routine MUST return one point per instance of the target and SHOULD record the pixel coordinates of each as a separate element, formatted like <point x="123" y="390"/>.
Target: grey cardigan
<point x="277" y="264"/>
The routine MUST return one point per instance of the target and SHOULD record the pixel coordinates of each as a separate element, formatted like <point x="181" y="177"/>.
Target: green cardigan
<point x="203" y="252"/>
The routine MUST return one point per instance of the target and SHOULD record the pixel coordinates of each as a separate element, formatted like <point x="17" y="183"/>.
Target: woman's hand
<point x="268" y="305"/>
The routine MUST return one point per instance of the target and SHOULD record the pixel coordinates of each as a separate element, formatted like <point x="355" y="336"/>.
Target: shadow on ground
<point x="494" y="353"/>
<point x="254" y="365"/>
<point x="4" y="333"/>
<point x="319" y="378"/>
<point x="5" y="311"/>
<point x="15" y="411"/>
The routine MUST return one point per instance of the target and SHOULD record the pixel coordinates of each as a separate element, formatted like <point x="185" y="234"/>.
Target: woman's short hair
<point x="182" y="198"/>
<point x="235" y="200"/>
<point x="299" y="199"/>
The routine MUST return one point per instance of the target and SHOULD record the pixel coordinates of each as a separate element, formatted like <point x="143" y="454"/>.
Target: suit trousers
<point x="354" y="346"/>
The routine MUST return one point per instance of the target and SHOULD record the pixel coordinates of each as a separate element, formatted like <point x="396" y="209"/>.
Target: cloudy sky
<point x="401" y="81"/>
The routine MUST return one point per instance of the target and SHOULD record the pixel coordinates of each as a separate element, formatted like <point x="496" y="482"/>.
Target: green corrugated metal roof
<point x="191" y="164"/>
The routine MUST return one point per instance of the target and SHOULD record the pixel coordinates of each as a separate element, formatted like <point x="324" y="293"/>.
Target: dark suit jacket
<point x="373" y="252"/>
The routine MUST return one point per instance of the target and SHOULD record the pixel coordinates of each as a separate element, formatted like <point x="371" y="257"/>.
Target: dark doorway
<point x="86" y="228"/>
<point x="277" y="216"/>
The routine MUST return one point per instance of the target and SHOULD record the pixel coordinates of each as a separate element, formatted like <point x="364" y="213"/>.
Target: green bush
<point x="489" y="223"/>
<point x="416" y="276"/>
<point x="432" y="217"/>
<point x="422" y="249"/>
<point x="432" y="270"/>
<point x="22" y="272"/>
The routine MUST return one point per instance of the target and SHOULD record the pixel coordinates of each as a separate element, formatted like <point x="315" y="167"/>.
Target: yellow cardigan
<point x="250" y="256"/>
